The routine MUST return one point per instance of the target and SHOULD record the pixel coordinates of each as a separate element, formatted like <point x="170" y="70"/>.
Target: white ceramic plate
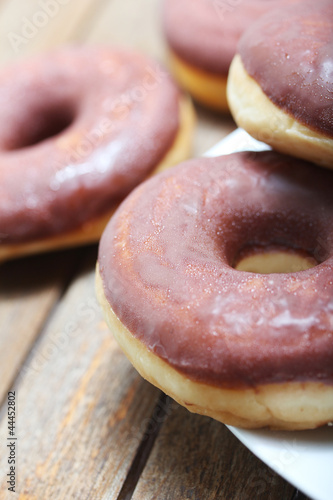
<point x="304" y="458"/>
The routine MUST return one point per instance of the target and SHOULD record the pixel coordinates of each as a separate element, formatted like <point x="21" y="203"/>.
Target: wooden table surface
<point x="88" y="426"/>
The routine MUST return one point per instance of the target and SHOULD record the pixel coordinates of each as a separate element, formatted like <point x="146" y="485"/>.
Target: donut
<point x="80" y="128"/>
<point x="280" y="86"/>
<point x="202" y="37"/>
<point x="247" y="348"/>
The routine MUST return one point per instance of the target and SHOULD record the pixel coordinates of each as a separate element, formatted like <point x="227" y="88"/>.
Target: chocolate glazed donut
<point x="202" y="36"/>
<point x="280" y="86"/>
<point x="80" y="128"/>
<point x="248" y="349"/>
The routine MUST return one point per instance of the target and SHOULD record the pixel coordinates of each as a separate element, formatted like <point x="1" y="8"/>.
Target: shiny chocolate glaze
<point x="166" y="265"/>
<point x="290" y="55"/>
<point x="205" y="33"/>
<point x="80" y="127"/>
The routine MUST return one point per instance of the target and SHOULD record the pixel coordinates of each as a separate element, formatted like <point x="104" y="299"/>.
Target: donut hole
<point x="273" y="259"/>
<point x="277" y="241"/>
<point x="44" y="124"/>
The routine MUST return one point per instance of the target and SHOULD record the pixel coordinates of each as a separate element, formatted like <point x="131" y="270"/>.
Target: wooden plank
<point x="196" y="457"/>
<point x="82" y="408"/>
<point x="29" y="289"/>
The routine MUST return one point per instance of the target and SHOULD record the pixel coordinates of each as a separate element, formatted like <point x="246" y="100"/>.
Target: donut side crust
<point x="253" y="111"/>
<point x="91" y="231"/>
<point x="288" y="406"/>
<point x="208" y="89"/>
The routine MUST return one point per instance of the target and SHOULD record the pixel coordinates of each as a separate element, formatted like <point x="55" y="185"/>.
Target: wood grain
<point x="198" y="458"/>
